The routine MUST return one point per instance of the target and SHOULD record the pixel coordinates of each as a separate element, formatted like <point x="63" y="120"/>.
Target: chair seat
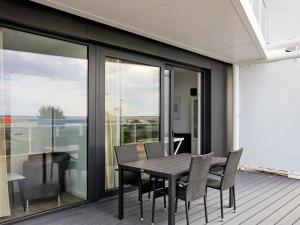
<point x="42" y="191"/>
<point x="214" y="182"/>
<point x="184" y="179"/>
<point x="181" y="193"/>
<point x="161" y="192"/>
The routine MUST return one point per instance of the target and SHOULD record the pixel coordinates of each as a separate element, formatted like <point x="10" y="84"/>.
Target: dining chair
<point x="38" y="185"/>
<point x="194" y="188"/>
<point x="155" y="150"/>
<point x="126" y="154"/>
<point x="226" y="179"/>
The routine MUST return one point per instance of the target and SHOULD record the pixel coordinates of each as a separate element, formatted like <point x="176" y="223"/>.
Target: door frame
<point x="102" y="54"/>
<point x="205" y="110"/>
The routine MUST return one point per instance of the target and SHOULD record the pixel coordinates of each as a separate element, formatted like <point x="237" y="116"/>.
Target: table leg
<point x="172" y="197"/>
<point x="121" y="194"/>
<point x="44" y="168"/>
<point x="9" y="190"/>
<point x="22" y="194"/>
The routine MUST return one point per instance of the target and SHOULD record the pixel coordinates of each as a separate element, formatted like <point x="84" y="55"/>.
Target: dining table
<point x="170" y="168"/>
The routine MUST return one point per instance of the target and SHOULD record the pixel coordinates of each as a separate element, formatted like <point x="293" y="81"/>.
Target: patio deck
<point x="261" y="199"/>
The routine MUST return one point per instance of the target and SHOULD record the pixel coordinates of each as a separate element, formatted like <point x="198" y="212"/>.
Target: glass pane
<point x="43" y="111"/>
<point x="132" y="104"/>
<point x="167" y="82"/>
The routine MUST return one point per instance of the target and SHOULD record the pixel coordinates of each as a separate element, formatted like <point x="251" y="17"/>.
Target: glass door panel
<point x="132" y="106"/>
<point x="43" y="122"/>
<point x="167" y="93"/>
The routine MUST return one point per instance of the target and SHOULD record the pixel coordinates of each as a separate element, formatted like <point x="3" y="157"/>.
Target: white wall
<point x="183" y="82"/>
<point x="270" y="110"/>
<point x="283" y="19"/>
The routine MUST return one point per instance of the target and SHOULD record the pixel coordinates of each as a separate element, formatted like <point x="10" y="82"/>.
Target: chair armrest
<point x="216" y="174"/>
<point x="182" y="184"/>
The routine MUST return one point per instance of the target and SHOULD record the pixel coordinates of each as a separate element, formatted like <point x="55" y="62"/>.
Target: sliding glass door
<point x="182" y="117"/>
<point x="132" y="109"/>
<point x="43" y="123"/>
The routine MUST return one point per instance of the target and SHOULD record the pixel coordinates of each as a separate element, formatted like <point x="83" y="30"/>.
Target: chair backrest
<point x="198" y="174"/>
<point x="154" y="150"/>
<point x="231" y="166"/>
<point x="33" y="185"/>
<point x="126" y="153"/>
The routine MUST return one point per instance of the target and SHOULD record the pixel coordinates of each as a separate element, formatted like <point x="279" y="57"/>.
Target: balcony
<point x="261" y="199"/>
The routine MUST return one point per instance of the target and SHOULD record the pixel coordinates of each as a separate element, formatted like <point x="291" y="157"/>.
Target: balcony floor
<point x="261" y="199"/>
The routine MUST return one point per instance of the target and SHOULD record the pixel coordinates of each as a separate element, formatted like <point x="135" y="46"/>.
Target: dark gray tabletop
<point x="174" y="165"/>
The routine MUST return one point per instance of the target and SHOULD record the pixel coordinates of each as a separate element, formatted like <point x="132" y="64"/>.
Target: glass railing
<point x="132" y="133"/>
<point x="31" y="139"/>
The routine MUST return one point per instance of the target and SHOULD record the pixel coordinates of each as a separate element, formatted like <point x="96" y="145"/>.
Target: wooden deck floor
<point x="261" y="199"/>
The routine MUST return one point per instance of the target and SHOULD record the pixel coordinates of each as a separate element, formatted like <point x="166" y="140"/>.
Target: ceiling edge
<point x="115" y="24"/>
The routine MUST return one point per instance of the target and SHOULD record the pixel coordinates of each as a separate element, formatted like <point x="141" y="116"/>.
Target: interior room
<point x="185" y="115"/>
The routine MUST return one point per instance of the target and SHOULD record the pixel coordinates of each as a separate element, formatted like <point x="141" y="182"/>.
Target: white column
<point x="236" y="107"/>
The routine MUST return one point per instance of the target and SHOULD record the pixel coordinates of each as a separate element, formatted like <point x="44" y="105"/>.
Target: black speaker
<point x="193" y="91"/>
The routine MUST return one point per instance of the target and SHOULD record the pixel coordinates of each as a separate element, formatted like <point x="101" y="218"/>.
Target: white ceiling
<point x="210" y="27"/>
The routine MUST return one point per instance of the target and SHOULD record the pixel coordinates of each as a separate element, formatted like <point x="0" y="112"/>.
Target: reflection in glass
<point x="167" y="82"/>
<point x="43" y="121"/>
<point x="131" y="109"/>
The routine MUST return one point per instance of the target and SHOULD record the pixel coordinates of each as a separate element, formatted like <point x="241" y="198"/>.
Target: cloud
<point x="136" y="87"/>
<point x="32" y="80"/>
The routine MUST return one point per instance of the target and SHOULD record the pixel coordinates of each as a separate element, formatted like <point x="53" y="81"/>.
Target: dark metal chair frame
<point x="227" y="179"/>
<point x="194" y="189"/>
<point x="128" y="153"/>
<point x="155" y="150"/>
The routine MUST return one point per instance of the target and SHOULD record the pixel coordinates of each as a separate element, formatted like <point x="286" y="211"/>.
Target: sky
<point x="36" y="71"/>
<point x="32" y="80"/>
<point x="132" y="88"/>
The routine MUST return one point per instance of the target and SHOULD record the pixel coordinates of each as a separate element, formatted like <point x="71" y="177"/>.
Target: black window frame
<point x="96" y="106"/>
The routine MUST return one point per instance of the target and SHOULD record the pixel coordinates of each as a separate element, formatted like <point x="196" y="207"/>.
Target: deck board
<point x="261" y="199"/>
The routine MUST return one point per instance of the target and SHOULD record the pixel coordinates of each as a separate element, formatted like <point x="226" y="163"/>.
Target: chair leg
<point x="234" y="201"/>
<point x="149" y="194"/>
<point x="13" y="192"/>
<point x="141" y="202"/>
<point x="153" y="204"/>
<point x="187" y="212"/>
<point x="27" y="205"/>
<point x="205" y="209"/>
<point x="221" y="200"/>
<point x="189" y="205"/>
<point x="165" y="201"/>
<point x="139" y="197"/>
<point x="230" y="197"/>
<point x="22" y="194"/>
<point x="58" y="200"/>
<point x="176" y="206"/>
